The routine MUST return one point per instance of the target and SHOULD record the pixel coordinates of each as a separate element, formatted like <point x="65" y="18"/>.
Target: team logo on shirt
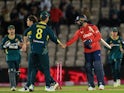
<point x="87" y="35"/>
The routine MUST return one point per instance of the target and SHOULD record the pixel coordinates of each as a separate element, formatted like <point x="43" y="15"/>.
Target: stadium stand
<point x="72" y="56"/>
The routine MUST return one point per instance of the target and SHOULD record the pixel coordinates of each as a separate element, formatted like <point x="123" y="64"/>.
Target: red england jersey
<point x="88" y="32"/>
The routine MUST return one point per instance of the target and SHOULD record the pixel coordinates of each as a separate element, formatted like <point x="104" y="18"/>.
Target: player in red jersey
<point x="90" y="36"/>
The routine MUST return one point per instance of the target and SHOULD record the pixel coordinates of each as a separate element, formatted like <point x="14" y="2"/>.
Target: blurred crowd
<point x="114" y="19"/>
<point x="62" y="12"/>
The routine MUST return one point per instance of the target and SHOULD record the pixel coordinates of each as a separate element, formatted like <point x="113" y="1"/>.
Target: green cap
<point x="11" y="27"/>
<point x="115" y="29"/>
<point x="44" y="15"/>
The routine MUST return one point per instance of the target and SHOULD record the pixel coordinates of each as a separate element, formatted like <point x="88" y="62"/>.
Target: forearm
<point x="25" y="39"/>
<point x="71" y="41"/>
<point x="24" y="46"/>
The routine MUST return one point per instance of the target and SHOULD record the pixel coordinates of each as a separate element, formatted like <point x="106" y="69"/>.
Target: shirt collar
<point x="42" y="23"/>
<point x="115" y="38"/>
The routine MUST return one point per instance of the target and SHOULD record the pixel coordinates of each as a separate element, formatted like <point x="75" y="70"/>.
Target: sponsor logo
<point x="37" y="41"/>
<point x="87" y="35"/>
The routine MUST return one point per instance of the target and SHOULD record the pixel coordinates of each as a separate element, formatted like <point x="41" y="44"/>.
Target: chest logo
<point x="87" y="35"/>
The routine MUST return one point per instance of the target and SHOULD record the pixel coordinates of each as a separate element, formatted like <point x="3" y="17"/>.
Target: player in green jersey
<point x="115" y="55"/>
<point x="40" y="34"/>
<point x="11" y="44"/>
<point x="31" y="19"/>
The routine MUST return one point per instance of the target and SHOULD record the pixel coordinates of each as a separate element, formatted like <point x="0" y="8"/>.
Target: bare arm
<point x="24" y="46"/>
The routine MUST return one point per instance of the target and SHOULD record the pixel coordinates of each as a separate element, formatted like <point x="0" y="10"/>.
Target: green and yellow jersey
<point x="115" y="52"/>
<point x="39" y="34"/>
<point x="11" y="47"/>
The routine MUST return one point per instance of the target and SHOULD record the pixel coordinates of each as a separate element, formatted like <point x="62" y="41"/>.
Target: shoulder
<point x="79" y="31"/>
<point x="120" y="38"/>
<point x="48" y="28"/>
<point x="27" y="30"/>
<point x="93" y="26"/>
<point x="5" y="37"/>
<point x="109" y="38"/>
<point x="32" y="26"/>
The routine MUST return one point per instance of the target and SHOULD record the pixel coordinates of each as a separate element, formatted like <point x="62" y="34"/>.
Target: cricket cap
<point x="44" y="15"/>
<point x="11" y="27"/>
<point x="115" y="29"/>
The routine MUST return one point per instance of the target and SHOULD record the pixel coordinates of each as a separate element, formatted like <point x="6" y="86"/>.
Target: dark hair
<point x="32" y="18"/>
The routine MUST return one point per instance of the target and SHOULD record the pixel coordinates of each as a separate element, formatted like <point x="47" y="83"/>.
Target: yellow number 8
<point x="39" y="33"/>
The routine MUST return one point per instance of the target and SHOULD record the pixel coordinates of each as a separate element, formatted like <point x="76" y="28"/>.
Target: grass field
<point x="70" y="89"/>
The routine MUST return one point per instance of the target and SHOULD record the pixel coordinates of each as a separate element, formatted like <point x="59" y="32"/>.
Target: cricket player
<point x="115" y="55"/>
<point x="40" y="34"/>
<point x="11" y="44"/>
<point x="90" y="36"/>
<point x="31" y="19"/>
<point x="29" y="86"/>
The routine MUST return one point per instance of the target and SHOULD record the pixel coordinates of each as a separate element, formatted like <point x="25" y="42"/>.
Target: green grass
<point x="70" y="89"/>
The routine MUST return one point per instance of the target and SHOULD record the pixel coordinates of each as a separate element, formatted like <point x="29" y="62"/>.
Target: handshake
<point x="63" y="45"/>
<point x="87" y="44"/>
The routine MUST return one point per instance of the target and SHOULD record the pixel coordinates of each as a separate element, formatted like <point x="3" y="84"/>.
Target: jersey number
<point x="39" y="33"/>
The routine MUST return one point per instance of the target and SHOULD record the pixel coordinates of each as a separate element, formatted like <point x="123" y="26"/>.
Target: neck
<point x="115" y="37"/>
<point x="11" y="36"/>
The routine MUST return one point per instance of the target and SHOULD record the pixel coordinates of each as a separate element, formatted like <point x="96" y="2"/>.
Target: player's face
<point x="11" y="31"/>
<point x="47" y="19"/>
<point x="80" y="22"/>
<point x="29" y="22"/>
<point x="115" y="33"/>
